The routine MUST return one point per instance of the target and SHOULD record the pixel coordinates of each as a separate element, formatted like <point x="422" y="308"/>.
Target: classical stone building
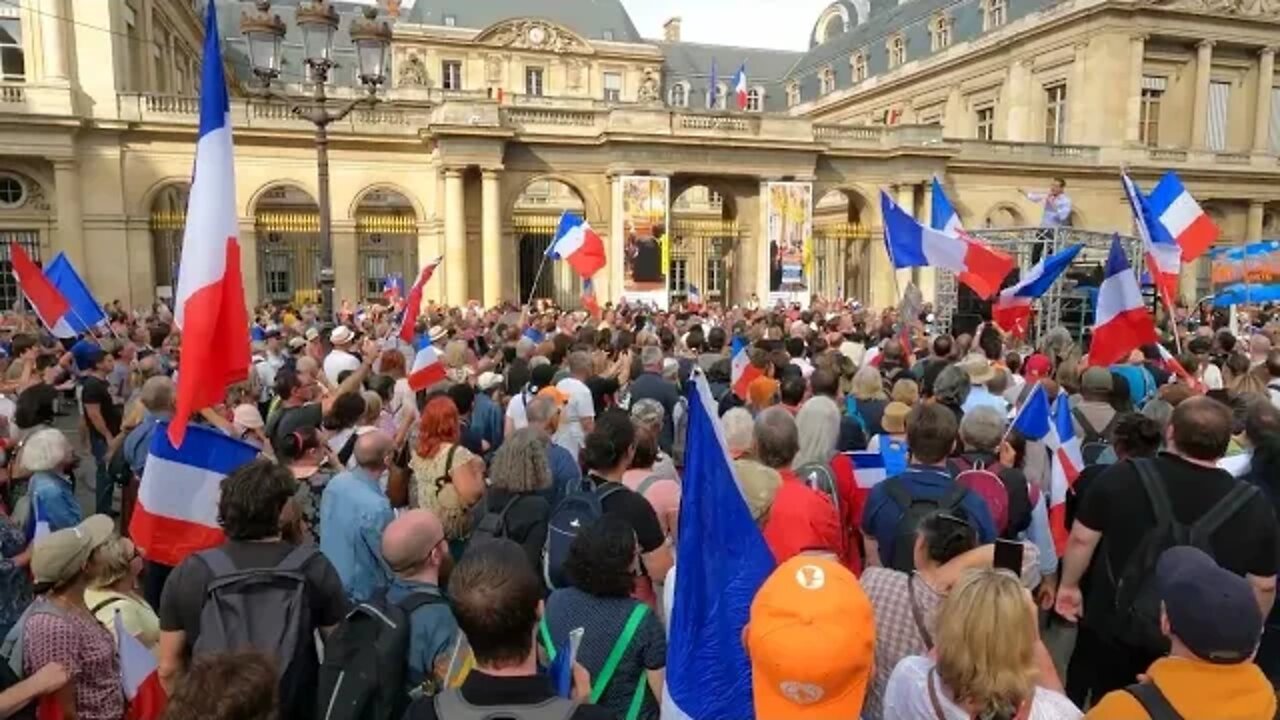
<point x="498" y="116"/>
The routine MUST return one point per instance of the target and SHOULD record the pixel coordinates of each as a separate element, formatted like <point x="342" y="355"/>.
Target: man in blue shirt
<point x="543" y="413"/>
<point x="157" y="397"/>
<point x="931" y="435"/>
<point x="486" y="413"/>
<point x="353" y="513"/>
<point x="414" y="548"/>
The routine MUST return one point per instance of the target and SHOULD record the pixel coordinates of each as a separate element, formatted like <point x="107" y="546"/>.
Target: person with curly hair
<point x="228" y="686"/>
<point x="516" y="506"/>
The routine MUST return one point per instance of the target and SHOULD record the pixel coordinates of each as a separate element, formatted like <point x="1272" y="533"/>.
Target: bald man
<point x="353" y="513"/>
<point x="414" y="549"/>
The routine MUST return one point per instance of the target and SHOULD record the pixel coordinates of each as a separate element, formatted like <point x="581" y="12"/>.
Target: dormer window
<point x="858" y="65"/>
<point x="897" y="47"/>
<point x="793" y="94"/>
<point x="939" y="32"/>
<point x="827" y="80"/>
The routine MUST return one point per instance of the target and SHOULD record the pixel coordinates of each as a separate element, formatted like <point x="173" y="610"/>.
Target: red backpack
<point x="984" y="481"/>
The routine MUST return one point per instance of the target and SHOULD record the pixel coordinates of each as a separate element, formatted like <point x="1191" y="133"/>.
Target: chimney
<point x="671" y="30"/>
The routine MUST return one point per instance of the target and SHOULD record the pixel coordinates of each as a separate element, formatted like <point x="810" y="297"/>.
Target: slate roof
<point x="236" y="47"/>
<point x="588" y="18"/>
<point x="691" y="63"/>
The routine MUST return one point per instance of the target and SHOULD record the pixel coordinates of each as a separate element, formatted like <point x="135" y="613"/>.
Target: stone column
<point x="70" y="239"/>
<point x="455" y="239"/>
<point x="928" y="277"/>
<point x="53" y="42"/>
<point x="1078" y="118"/>
<point x="491" y="235"/>
<point x="907" y="201"/>
<point x="248" y="262"/>
<point x="1262" y="113"/>
<point x="1200" y="105"/>
<point x="1133" y="115"/>
<point x="1018" y="122"/>
<point x="614" y="276"/>
<point x="346" y="264"/>
<point x="1253" y="222"/>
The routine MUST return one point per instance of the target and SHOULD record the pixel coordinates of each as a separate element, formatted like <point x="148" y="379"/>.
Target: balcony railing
<point x="1032" y="152"/>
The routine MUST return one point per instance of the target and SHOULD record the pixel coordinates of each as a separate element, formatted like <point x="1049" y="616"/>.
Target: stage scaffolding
<point x="1064" y="299"/>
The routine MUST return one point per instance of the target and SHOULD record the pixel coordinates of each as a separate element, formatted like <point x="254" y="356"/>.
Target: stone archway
<point x="535" y="215"/>
<point x="703" y="235"/>
<point x="168" y="221"/>
<point x="841" y="245"/>
<point x="1004" y="215"/>
<point x="287" y="224"/>
<point x="386" y="224"/>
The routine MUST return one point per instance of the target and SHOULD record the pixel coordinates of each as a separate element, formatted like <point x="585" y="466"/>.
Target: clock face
<point x="537" y="35"/>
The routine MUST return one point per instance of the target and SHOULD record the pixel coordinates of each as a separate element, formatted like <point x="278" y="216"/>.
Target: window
<point x="859" y="66"/>
<point x="722" y="96"/>
<point x="897" y="51"/>
<point x="1275" y="119"/>
<point x="12" y="57"/>
<point x="1149" y="111"/>
<point x="450" y="20"/>
<point x="931" y="119"/>
<point x="993" y="14"/>
<point x="828" y="80"/>
<point x="1216" y="130"/>
<point x="533" y="81"/>
<point x="376" y="269"/>
<point x="607" y="35"/>
<point x="1055" y="114"/>
<point x="12" y="192"/>
<point x="612" y="87"/>
<point x="679" y="276"/>
<point x="940" y="33"/>
<point x="678" y="95"/>
<point x="134" y="52"/>
<point x="985" y="122"/>
<point x="715" y="276"/>
<point x="755" y="99"/>
<point x="793" y="94"/>
<point x="10" y="295"/>
<point x="451" y="75"/>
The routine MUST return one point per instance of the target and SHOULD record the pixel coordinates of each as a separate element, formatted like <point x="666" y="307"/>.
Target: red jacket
<point x="802" y="519"/>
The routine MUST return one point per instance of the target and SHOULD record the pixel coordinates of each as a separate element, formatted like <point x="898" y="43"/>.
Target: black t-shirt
<point x="525" y="521"/>
<point x="489" y="690"/>
<point x="1117" y="506"/>
<point x="95" y="391"/>
<point x="632" y="507"/>
<point x="286" y="420"/>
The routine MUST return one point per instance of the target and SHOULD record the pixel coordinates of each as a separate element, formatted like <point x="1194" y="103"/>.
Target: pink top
<point x="663" y="494"/>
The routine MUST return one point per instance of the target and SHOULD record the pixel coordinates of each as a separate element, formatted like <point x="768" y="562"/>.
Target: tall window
<point x="755" y="99"/>
<point x="533" y="81"/>
<point x="993" y="14"/>
<point x="612" y="87"/>
<point x="1055" y="114"/>
<point x="715" y="275"/>
<point x="1216" y="129"/>
<point x="1149" y="112"/>
<point x="793" y="95"/>
<point x="897" y="51"/>
<point x="678" y="95"/>
<point x="134" y="52"/>
<point x="679" y="276"/>
<point x="859" y="66"/>
<point x="940" y="32"/>
<point x="828" y="80"/>
<point x="985" y="122"/>
<point x="451" y="75"/>
<point x="722" y="96"/>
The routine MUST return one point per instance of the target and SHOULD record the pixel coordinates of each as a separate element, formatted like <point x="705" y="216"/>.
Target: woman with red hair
<point x="448" y="479"/>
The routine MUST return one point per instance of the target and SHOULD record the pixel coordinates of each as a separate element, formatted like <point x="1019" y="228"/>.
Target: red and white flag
<point x="209" y="305"/>
<point x="413" y="303"/>
<point x="1123" y="323"/>
<point x="45" y="299"/>
<point x="140" y="676"/>
<point x="743" y="371"/>
<point x="427" y="370"/>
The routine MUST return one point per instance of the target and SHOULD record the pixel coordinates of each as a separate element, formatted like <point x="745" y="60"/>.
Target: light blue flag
<point x="721" y="561"/>
<point x="85" y="311"/>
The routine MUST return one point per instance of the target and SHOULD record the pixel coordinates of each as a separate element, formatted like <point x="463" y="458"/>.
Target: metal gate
<point x="10" y="295"/>
<point x="557" y="281"/>
<point x="702" y="255"/>
<point x="841" y="266"/>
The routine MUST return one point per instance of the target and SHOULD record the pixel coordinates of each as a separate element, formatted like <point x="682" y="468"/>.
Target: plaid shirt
<point x="896" y="633"/>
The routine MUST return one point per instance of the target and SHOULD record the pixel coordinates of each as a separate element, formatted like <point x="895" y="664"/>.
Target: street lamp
<point x="318" y="23"/>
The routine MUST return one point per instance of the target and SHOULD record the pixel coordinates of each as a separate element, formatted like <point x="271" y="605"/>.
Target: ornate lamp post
<point x="318" y="23"/>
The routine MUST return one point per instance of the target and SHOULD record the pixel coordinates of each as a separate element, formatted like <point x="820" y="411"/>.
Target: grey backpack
<point x="450" y="705"/>
<point x="263" y="609"/>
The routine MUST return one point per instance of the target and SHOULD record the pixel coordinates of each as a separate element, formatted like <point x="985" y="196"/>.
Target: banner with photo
<point x="789" y="213"/>
<point x="645" y="244"/>
<point x="1246" y="274"/>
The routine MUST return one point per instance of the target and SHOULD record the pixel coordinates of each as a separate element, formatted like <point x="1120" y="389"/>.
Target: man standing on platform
<point x="1057" y="212"/>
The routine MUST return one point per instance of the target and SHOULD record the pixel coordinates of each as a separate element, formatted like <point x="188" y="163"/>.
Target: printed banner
<point x="790" y="216"/>
<point x="645" y="249"/>
<point x="1246" y="274"/>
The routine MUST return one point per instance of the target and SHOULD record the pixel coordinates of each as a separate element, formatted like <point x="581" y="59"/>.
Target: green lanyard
<point x="612" y="662"/>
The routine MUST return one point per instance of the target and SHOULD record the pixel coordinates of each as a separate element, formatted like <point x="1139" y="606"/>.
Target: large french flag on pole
<point x="139" y="675"/>
<point x="1164" y="255"/>
<point x="177" y="509"/>
<point x="577" y="244"/>
<point x="428" y="368"/>
<point x="85" y="310"/>
<point x="942" y="214"/>
<point x="1178" y="215"/>
<point x="911" y="244"/>
<point x="740" y="86"/>
<point x="49" y="304"/>
<point x="1012" y="308"/>
<point x="413" y="303"/>
<point x="209" y="303"/>
<point x="721" y="561"/>
<point x="1122" y="322"/>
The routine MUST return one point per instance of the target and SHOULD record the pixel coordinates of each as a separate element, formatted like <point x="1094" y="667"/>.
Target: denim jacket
<point x="432" y="631"/>
<point x="53" y="495"/>
<point x="353" y="514"/>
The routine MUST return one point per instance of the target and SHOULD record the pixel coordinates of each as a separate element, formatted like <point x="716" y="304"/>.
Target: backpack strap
<point x="411" y="602"/>
<point x="953" y="498"/>
<point x="1105" y="435"/>
<point x="297" y="558"/>
<point x="1160" y="503"/>
<point x="615" y="655"/>
<point x="605" y="490"/>
<point x="1221" y="512"/>
<point x="645" y="484"/>
<point x="218" y="562"/>
<point x="957" y="465"/>
<point x="1089" y="432"/>
<point x="1153" y="701"/>
<point x="105" y="604"/>
<point x="917" y="613"/>
<point x="898" y="492"/>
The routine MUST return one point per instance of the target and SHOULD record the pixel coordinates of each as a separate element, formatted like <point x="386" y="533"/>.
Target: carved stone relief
<point x="534" y="35"/>
<point x="493" y="69"/>
<point x="649" y="91"/>
<point x="1266" y="9"/>
<point x="411" y="71"/>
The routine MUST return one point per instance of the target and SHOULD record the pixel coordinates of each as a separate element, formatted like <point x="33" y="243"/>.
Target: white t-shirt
<point x="907" y="696"/>
<point x="337" y="362"/>
<point x="580" y="406"/>
<point x="1211" y="376"/>
<point x="1237" y="465"/>
<point x="515" y="411"/>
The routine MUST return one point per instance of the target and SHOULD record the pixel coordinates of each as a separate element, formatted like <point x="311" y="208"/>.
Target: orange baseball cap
<point x="555" y="394"/>
<point x="812" y="639"/>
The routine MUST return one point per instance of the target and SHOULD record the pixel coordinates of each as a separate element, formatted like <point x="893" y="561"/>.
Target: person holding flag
<point x="1123" y="323"/>
<point x="911" y="244"/>
<point x="413" y="303"/>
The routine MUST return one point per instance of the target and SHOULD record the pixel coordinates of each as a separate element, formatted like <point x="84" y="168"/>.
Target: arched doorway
<point x="704" y="233"/>
<point x="841" y="247"/>
<point x="387" y="233"/>
<point x="536" y="214"/>
<point x="1004" y="216"/>
<point x="287" y="223"/>
<point x="168" y="223"/>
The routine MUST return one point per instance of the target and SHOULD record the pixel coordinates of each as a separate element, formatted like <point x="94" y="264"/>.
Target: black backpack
<point x="1095" y="442"/>
<point x="493" y="524"/>
<point x="1137" y="600"/>
<point x="579" y="510"/>
<point x="363" y="674"/>
<point x="913" y="511"/>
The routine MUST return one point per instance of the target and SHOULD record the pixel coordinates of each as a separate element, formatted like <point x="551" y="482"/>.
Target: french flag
<point x="942" y="214"/>
<point x="742" y="371"/>
<point x="413" y="303"/>
<point x="868" y="468"/>
<point x="393" y="287"/>
<point x="427" y="370"/>
<point x="1065" y="467"/>
<point x="38" y="525"/>
<point x="740" y="86"/>
<point x="911" y="244"/>
<point x="209" y="303"/>
<point x="1180" y="217"/>
<point x="1164" y="256"/>
<point x="85" y="312"/>
<point x="1172" y="364"/>
<point x="140" y="676"/>
<point x="1122" y="323"/>
<point x="1012" y="308"/>
<point x="52" y="307"/>
<point x="589" y="301"/>
<point x="694" y="297"/>
<point x="577" y="244"/>
<point x="177" y="509"/>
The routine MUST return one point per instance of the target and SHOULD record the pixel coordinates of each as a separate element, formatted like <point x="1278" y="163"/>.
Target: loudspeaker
<point x="972" y="310"/>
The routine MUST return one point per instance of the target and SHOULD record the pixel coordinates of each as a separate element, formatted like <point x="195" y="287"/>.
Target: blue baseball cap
<point x="1211" y="610"/>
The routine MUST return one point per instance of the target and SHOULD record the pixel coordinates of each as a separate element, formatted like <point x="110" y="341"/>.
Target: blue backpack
<point x="579" y="510"/>
<point x="895" y="456"/>
<point x="851" y="409"/>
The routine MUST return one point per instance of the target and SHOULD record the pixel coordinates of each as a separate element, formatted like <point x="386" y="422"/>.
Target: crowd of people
<point x="398" y="551"/>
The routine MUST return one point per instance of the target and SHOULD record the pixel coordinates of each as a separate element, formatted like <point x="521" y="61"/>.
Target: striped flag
<point x="868" y="468"/>
<point x="50" y="305"/>
<point x="427" y="370"/>
<point x="413" y="303"/>
<point x="139" y="674"/>
<point x="1065" y="467"/>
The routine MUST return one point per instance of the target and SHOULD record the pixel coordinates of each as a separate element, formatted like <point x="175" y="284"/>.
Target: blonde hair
<point x="906" y="392"/>
<point x="986" y="642"/>
<point x="867" y="384"/>
<point x="372" y="407"/>
<point x="111" y="562"/>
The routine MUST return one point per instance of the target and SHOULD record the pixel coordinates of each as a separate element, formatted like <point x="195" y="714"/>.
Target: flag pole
<point x="533" y="287"/>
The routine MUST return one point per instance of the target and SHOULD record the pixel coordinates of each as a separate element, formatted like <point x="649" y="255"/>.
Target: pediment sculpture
<point x="1265" y="9"/>
<point x="534" y="35"/>
<point x="411" y="71"/>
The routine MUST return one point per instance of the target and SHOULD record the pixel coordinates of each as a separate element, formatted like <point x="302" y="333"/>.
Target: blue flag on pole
<point x="85" y="310"/>
<point x="721" y="561"/>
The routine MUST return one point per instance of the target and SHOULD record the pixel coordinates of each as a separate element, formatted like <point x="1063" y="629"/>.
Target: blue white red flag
<point x="577" y="244"/>
<point x="911" y="244"/>
<point x="589" y="301"/>
<point x="139" y="675"/>
<point x="942" y="215"/>
<point x="1180" y="217"/>
<point x="740" y="86"/>
<point x="1065" y="466"/>
<point x="413" y="303"/>
<point x="1164" y="255"/>
<point x="393" y="287"/>
<point x="1012" y="309"/>
<point x="1122" y="323"/>
<point x="50" y="305"/>
<point x="84" y="312"/>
